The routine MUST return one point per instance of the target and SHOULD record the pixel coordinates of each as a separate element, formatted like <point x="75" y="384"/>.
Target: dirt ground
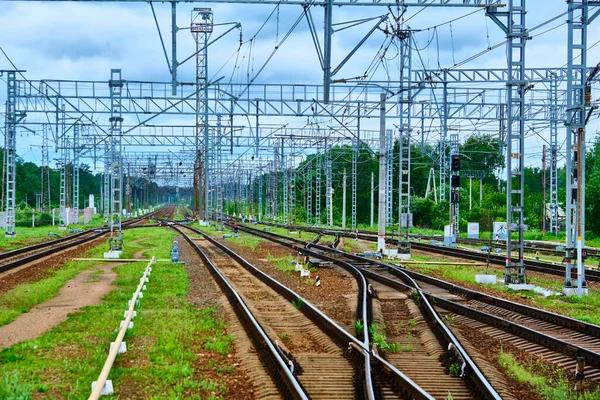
<point x="337" y="295"/>
<point x="84" y="290"/>
<point x="41" y="269"/>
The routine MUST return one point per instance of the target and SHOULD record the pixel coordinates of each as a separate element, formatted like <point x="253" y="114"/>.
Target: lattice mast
<point x="11" y="120"/>
<point x="515" y="140"/>
<point x="553" y="150"/>
<point x="106" y="184"/>
<point x="201" y="27"/>
<point x="404" y="161"/>
<point x="76" y="150"/>
<point x="45" y="171"/>
<point x="116" y="169"/>
<point x="578" y="99"/>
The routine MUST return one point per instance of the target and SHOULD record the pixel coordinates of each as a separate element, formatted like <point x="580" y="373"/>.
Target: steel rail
<point x="538" y="266"/>
<point x="529" y="334"/>
<point x="52" y="248"/>
<point x="477" y="377"/>
<point x="270" y="357"/>
<point x="337" y="333"/>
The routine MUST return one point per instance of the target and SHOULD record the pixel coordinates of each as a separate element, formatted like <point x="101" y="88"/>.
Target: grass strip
<point x="550" y="383"/>
<point x="174" y="350"/>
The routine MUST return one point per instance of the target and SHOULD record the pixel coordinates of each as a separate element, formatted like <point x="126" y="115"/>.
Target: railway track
<point x="326" y="368"/>
<point x="278" y="379"/>
<point x="19" y="257"/>
<point x="387" y="382"/>
<point x="530" y="245"/>
<point x="425" y="371"/>
<point x="532" y="265"/>
<point x="555" y="338"/>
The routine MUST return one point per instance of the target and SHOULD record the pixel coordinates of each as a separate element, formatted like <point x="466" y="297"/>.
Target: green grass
<point x="162" y="359"/>
<point x="584" y="309"/>
<point x="551" y="385"/>
<point x="282" y="263"/>
<point x="27" y="235"/>
<point x="378" y="337"/>
<point x="24" y="297"/>
<point x="246" y="240"/>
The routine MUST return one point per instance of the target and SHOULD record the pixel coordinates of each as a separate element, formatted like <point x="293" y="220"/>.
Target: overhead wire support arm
<point x="162" y="42"/>
<point x="174" y="64"/>
<point x="313" y="34"/>
<point x="355" y="49"/>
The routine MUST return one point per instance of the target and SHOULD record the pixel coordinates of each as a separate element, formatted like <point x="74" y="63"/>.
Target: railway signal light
<point x="455" y="181"/>
<point x="455" y="162"/>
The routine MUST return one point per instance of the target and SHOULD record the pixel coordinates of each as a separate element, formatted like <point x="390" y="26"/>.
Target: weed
<point x="412" y="322"/>
<point x="547" y="387"/>
<point x="455" y="369"/>
<point x="11" y="387"/>
<point x="298" y="303"/>
<point x="226" y="369"/>
<point x="358" y="327"/>
<point x="220" y="344"/>
<point x="417" y="298"/>
<point x="378" y="337"/>
<point x="282" y="263"/>
<point x="71" y="355"/>
<point x="405" y="348"/>
<point x="285" y="336"/>
<point x="449" y="318"/>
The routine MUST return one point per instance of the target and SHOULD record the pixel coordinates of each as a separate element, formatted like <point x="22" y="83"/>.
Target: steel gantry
<point x="578" y="102"/>
<point x="463" y="102"/>
<point x="116" y="168"/>
<point x="404" y="214"/>
<point x="106" y="184"/>
<point x="64" y="177"/>
<point x="454" y="188"/>
<point x="553" y="149"/>
<point x="389" y="176"/>
<point x="12" y="118"/>
<point x="517" y="85"/>
<point x="75" y="164"/>
<point x="201" y="28"/>
<point x="45" y="178"/>
<point x="405" y="102"/>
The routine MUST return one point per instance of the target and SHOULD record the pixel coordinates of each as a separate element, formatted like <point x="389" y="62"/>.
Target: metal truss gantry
<point x="116" y="167"/>
<point x="307" y="100"/>
<point x="517" y="35"/>
<point x="201" y="27"/>
<point x="405" y="103"/>
<point x="76" y="149"/>
<point x="454" y="188"/>
<point x="12" y="118"/>
<point x="578" y="101"/>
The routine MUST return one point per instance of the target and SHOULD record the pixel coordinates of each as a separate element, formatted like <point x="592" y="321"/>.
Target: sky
<point x="84" y="40"/>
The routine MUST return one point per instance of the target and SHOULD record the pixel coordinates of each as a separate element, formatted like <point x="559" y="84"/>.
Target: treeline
<point x="478" y="153"/>
<point x="29" y="185"/>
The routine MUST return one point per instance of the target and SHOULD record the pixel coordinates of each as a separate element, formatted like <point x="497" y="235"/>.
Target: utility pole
<point x="115" y="132"/>
<point x="543" y="190"/>
<point x="454" y="188"/>
<point x="201" y="27"/>
<point x="382" y="170"/>
<point x="372" y="198"/>
<point x="517" y="35"/>
<point x="12" y="118"/>
<point x="344" y="201"/>
<point x="578" y="100"/>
